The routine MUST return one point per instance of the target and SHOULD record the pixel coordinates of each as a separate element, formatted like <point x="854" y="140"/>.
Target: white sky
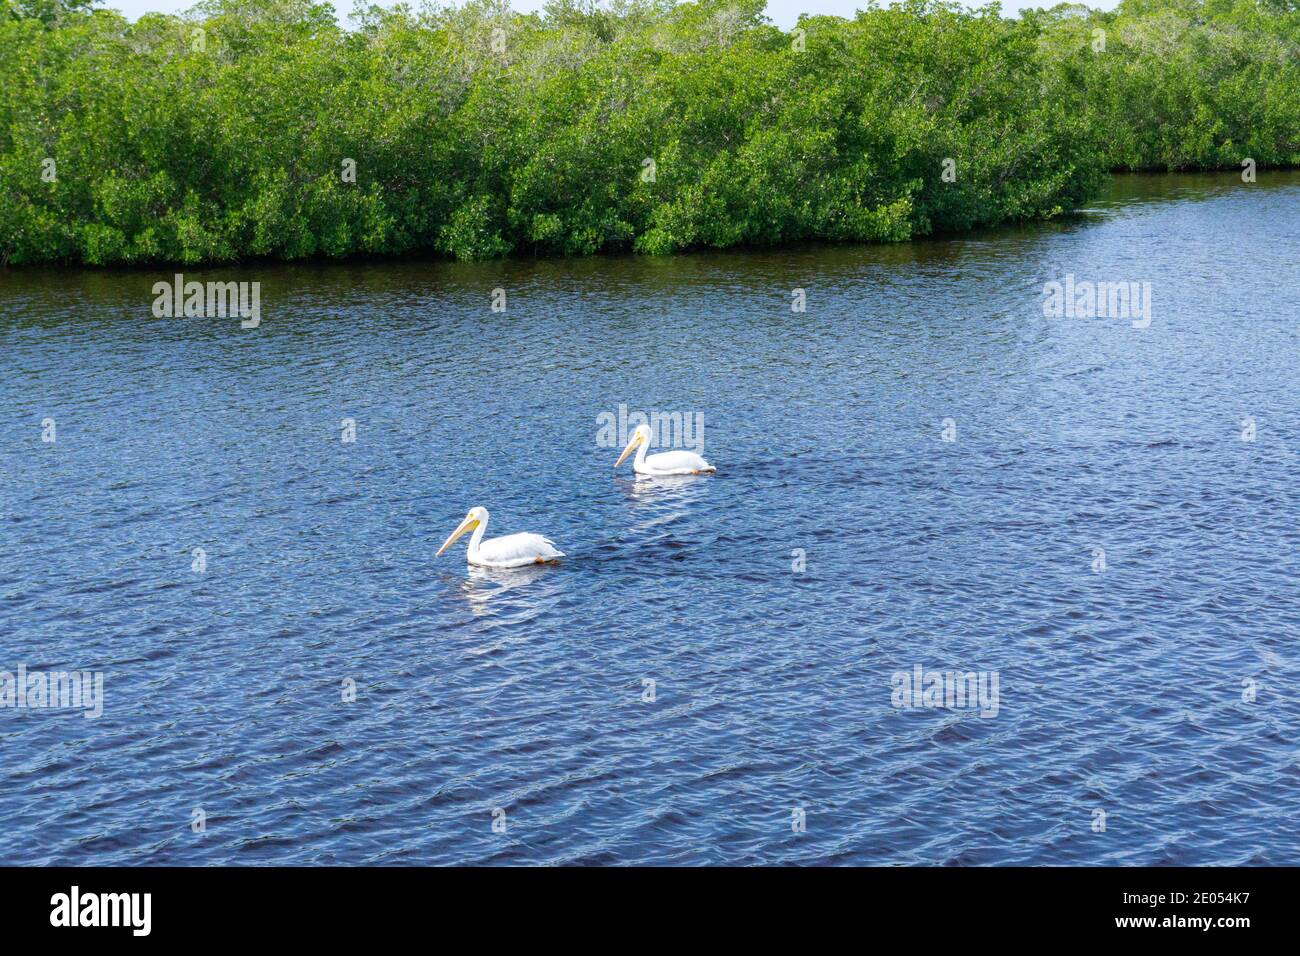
<point x="783" y="13"/>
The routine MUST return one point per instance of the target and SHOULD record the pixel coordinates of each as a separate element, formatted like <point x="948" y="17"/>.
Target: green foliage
<point x="1180" y="84"/>
<point x="639" y="125"/>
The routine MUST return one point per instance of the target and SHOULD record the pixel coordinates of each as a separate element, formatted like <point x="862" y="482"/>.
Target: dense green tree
<point x="263" y="128"/>
<point x="1180" y="84"/>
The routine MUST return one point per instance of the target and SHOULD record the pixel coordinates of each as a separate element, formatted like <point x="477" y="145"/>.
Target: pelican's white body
<point x="511" y="550"/>
<point x="507" y="551"/>
<point x="670" y="463"/>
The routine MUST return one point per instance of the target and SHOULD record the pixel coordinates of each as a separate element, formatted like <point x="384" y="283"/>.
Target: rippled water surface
<point x="1125" y="690"/>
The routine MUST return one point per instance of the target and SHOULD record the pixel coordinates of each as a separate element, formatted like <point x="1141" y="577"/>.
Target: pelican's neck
<point x="475" y="538"/>
<point x="639" y="461"/>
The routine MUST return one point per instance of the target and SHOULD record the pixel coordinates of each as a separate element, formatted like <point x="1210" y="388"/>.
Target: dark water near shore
<point x="1119" y="691"/>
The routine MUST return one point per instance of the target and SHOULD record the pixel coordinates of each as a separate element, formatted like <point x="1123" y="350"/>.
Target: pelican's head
<point x="641" y="436"/>
<point x="475" y="518"/>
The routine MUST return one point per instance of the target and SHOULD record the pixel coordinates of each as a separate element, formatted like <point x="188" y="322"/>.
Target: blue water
<point x="1120" y="690"/>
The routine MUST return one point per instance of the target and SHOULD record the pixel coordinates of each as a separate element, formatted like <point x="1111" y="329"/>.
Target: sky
<point x="783" y="13"/>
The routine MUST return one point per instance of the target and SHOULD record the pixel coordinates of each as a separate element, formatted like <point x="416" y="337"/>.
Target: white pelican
<point x="664" y="463"/>
<point x="507" y="551"/>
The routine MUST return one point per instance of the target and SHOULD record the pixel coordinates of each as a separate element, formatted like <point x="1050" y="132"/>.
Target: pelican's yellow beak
<point x="469" y="524"/>
<point x="636" y="440"/>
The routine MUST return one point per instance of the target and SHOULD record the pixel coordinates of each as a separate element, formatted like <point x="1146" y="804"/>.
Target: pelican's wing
<point x="677" y="461"/>
<point x="521" y="548"/>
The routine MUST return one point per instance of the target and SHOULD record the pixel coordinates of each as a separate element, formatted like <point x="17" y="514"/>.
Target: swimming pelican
<point x="507" y="551"/>
<point x="664" y="463"/>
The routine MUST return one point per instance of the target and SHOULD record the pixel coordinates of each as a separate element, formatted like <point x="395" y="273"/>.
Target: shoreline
<point x="430" y="256"/>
